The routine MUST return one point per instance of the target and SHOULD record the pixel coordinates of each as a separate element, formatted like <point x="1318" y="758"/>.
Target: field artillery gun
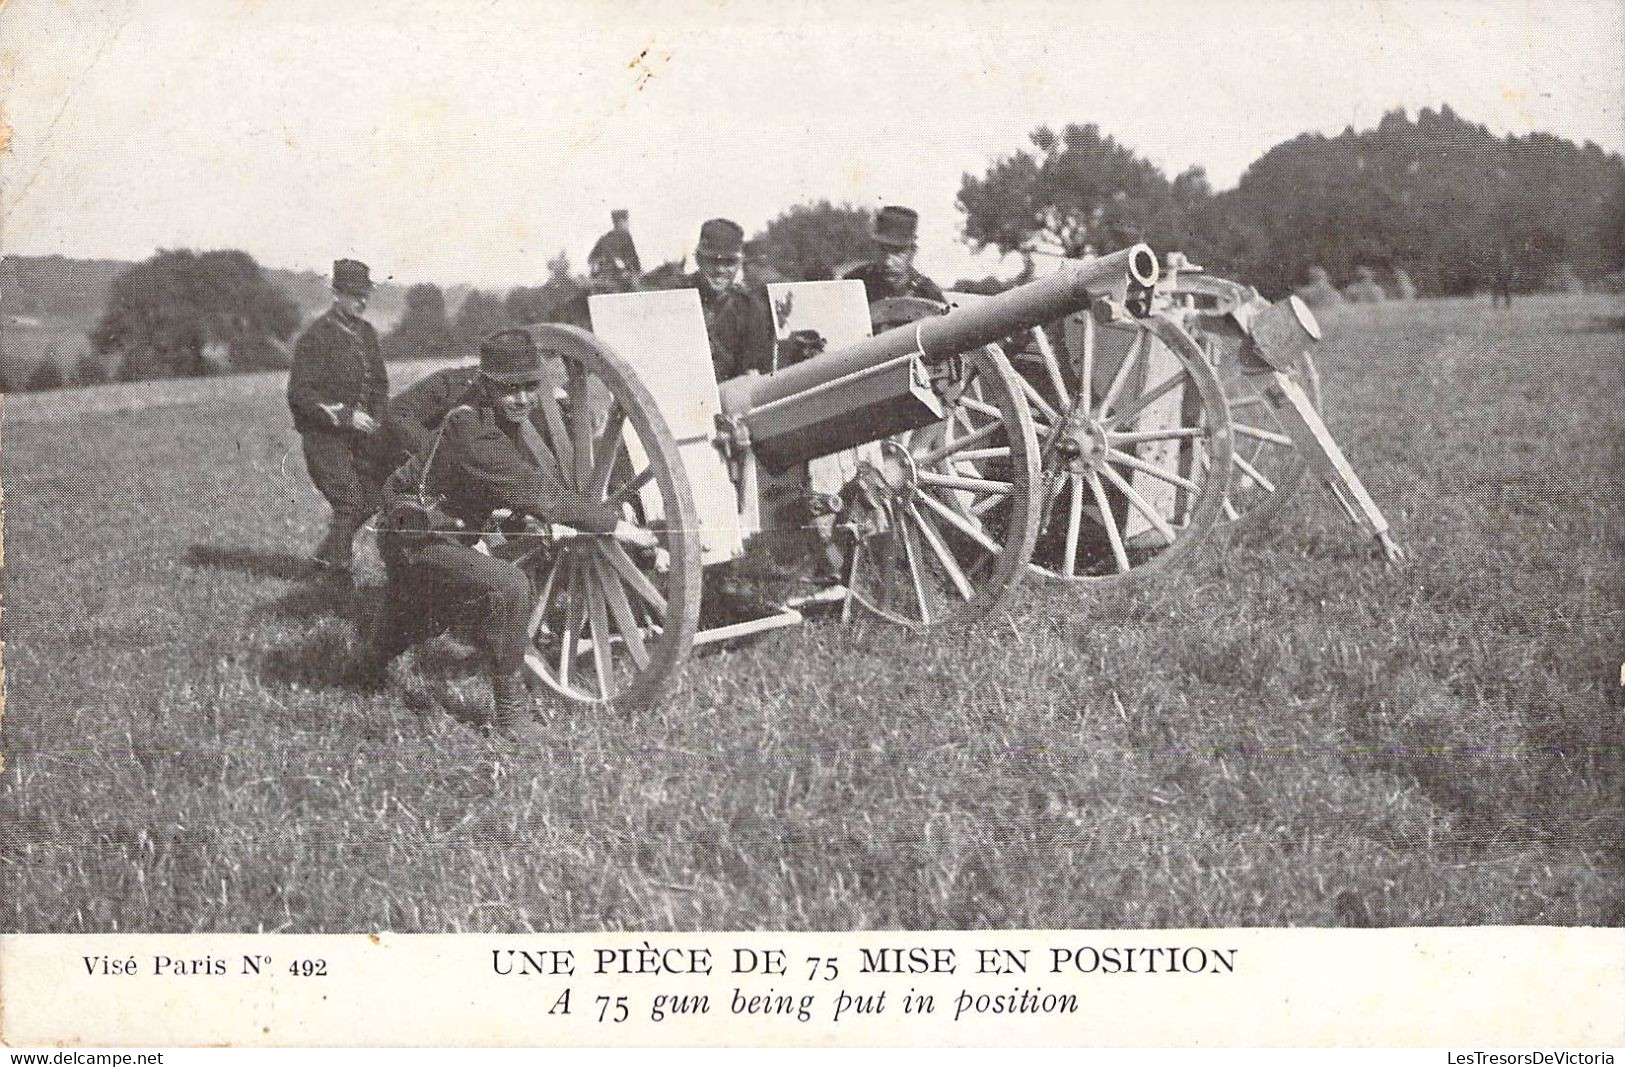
<point x="939" y="515"/>
<point x="1270" y="390"/>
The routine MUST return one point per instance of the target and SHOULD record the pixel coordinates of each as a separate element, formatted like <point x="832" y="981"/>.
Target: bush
<point x="46" y="375"/>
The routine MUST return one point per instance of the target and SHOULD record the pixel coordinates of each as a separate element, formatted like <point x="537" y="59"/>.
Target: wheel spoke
<point x="563" y="449"/>
<point x="916" y="579"/>
<point x="581" y="426"/>
<point x="625" y="619"/>
<point x="1258" y="433"/>
<point x="1074" y="524"/>
<point x="950" y="566"/>
<point x="1137" y="437"/>
<point x="603" y="656"/>
<point x="630" y="489"/>
<point x="1086" y="369"/>
<point x="1147" y="399"/>
<point x="1113" y="535"/>
<point x="544" y="601"/>
<point x="959" y="522"/>
<point x="1254" y="473"/>
<point x="943" y="451"/>
<point x="572" y="626"/>
<point x="629" y="573"/>
<point x="1038" y="402"/>
<point x="958" y="481"/>
<point x="1152" y="515"/>
<point x="1052" y="367"/>
<point x="609" y="447"/>
<point x="981" y="407"/>
<point x="1130" y="358"/>
<point x="1151" y="469"/>
<point x="971" y="455"/>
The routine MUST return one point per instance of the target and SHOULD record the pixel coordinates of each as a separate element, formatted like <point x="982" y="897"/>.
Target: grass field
<point x="1282" y="733"/>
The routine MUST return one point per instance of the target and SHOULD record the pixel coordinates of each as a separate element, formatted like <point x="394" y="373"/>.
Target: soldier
<point x="892" y="273"/>
<point x="416" y="413"/>
<point x="615" y="255"/>
<point x="737" y="321"/>
<point x="759" y="270"/>
<point x="489" y="458"/>
<point x="337" y="388"/>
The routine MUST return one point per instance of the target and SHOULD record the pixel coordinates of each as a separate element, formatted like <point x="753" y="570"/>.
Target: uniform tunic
<point x="437" y="580"/>
<point x="739" y="327"/>
<point x="415" y="414"/>
<point x="337" y="361"/>
<point x="876" y="285"/>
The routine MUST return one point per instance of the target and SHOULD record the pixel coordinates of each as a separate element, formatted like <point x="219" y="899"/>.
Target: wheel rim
<point x="944" y="518"/>
<point x="1137" y="450"/>
<point x="606" y="625"/>
<point x="1267" y="466"/>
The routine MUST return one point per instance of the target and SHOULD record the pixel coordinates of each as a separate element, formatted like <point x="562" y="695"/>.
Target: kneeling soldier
<point x="488" y="457"/>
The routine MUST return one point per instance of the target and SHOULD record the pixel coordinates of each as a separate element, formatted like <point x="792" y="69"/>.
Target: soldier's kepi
<point x="892" y="272"/>
<point x="337" y="389"/>
<point x="489" y="463"/>
<point x="738" y="323"/>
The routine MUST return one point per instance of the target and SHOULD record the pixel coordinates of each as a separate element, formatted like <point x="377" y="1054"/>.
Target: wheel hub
<point x="1082" y="444"/>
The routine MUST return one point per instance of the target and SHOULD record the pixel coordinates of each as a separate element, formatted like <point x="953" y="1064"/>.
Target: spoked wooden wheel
<point x="1268" y="466"/>
<point x="1136" y="448"/>
<point x="607" y="624"/>
<point x="944" y="518"/>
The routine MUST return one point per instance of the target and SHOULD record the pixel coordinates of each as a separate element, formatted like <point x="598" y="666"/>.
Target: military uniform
<point x="478" y="462"/>
<point x="878" y="287"/>
<point x="416" y="413"/>
<point x="337" y="370"/>
<point x="896" y="230"/>
<point x="738" y="326"/>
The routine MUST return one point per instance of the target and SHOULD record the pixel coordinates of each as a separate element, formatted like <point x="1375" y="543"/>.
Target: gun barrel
<point x="1070" y="289"/>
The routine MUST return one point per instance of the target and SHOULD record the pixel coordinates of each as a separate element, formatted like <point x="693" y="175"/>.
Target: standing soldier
<point x="487" y="461"/>
<point x="892" y="272"/>
<point x="337" y="388"/>
<point x="738" y="323"/>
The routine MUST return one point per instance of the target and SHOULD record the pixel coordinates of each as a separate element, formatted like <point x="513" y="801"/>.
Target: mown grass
<point x="1282" y="733"/>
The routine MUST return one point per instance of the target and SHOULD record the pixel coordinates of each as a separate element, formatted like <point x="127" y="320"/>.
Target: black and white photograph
<point x="540" y="468"/>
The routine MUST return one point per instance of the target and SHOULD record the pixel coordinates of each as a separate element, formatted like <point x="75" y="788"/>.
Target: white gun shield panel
<point x="839" y="312"/>
<point x="662" y="335"/>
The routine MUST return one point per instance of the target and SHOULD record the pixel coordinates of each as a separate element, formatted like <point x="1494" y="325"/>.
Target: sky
<point x="470" y="141"/>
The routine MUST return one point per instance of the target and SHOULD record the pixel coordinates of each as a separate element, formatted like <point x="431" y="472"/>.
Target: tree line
<point x="1435" y="206"/>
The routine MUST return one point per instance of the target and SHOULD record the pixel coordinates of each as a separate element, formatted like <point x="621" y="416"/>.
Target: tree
<point x="422" y="332"/>
<point x="91" y="370"/>
<point x="482" y="314"/>
<point x="1440" y="197"/>
<point x="1081" y="191"/>
<point x="814" y="241"/>
<point x="163" y="313"/>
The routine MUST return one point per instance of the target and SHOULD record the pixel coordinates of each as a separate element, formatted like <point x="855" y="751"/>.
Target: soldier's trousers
<point x="432" y="586"/>
<point x="343" y="466"/>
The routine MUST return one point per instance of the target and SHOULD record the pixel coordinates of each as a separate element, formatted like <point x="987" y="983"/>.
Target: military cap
<point x="720" y="238"/>
<point x="897" y="226"/>
<point x="351" y="277"/>
<point x="510" y="357"/>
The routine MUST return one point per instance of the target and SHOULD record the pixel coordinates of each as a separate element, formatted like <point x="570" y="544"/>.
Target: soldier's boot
<point x="510" y="708"/>
<point x="335" y="555"/>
